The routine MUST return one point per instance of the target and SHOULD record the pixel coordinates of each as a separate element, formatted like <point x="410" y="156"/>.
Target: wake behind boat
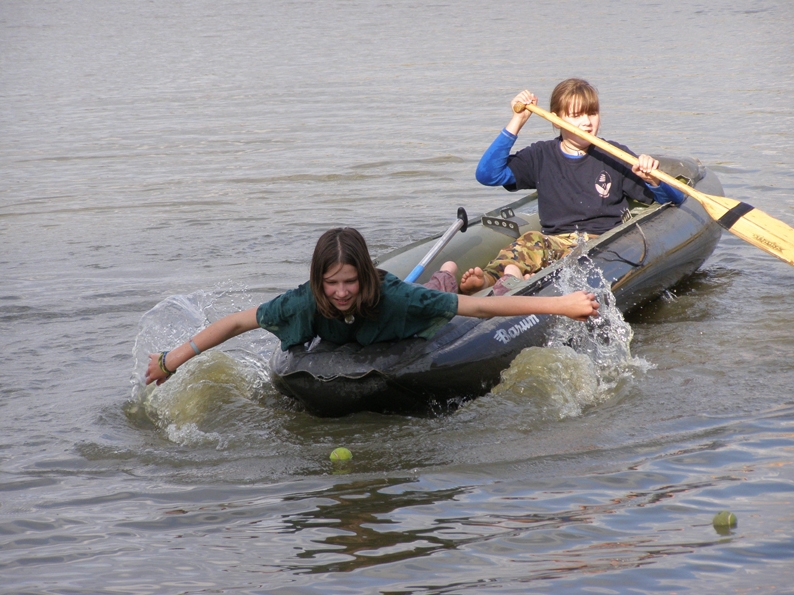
<point x="653" y="250"/>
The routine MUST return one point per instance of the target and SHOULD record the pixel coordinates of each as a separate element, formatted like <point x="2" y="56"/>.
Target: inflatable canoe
<point x="658" y="247"/>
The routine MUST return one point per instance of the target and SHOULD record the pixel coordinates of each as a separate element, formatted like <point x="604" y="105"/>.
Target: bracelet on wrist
<point x="161" y="363"/>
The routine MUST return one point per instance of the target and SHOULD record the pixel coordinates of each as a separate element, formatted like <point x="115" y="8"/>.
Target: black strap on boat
<point x="733" y="215"/>
<point x="626" y="260"/>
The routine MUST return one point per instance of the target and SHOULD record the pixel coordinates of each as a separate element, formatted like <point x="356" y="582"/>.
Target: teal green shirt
<point x="405" y="310"/>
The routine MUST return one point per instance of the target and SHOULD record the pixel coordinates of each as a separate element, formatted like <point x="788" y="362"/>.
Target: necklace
<point x="571" y="150"/>
<point x="350" y="319"/>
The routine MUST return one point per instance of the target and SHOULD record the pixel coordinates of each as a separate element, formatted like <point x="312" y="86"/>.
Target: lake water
<point x="198" y="149"/>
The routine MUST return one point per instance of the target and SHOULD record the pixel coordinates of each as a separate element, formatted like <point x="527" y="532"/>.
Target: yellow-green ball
<point x="341" y="454"/>
<point x="724" y="519"/>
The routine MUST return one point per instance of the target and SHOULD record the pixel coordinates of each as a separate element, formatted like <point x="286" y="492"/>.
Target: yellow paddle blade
<point x="750" y="224"/>
<point x="741" y="219"/>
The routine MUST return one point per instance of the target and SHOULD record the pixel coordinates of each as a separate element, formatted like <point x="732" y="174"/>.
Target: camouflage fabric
<point x="532" y="252"/>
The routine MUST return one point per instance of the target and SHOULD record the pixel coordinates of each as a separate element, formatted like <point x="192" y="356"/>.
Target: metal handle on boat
<point x="461" y="223"/>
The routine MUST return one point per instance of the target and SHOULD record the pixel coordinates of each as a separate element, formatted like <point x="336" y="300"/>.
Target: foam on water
<point x="195" y="397"/>
<point x="582" y="364"/>
<point x="189" y="405"/>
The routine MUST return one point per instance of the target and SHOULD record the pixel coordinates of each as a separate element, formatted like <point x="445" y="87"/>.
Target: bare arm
<point x="577" y="305"/>
<point x="215" y="334"/>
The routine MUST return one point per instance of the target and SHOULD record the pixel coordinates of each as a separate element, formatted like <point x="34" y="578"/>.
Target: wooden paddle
<point x="741" y="219"/>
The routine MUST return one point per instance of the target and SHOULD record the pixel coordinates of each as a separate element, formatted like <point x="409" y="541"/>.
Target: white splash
<point x="188" y="406"/>
<point x="582" y="364"/>
<point x="606" y="339"/>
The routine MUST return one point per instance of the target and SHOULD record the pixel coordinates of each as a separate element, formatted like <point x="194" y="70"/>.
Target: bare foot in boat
<point x="474" y="280"/>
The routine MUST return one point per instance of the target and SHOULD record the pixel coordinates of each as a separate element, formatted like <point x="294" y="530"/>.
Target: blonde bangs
<point x="573" y="97"/>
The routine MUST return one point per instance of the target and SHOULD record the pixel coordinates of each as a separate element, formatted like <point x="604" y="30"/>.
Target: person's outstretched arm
<point x="577" y="305"/>
<point x="212" y="336"/>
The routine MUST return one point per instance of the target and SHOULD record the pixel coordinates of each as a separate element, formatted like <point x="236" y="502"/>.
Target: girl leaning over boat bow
<point x="348" y="300"/>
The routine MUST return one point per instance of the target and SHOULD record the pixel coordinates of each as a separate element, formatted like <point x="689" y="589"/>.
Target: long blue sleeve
<point x="492" y="169"/>
<point x="664" y="193"/>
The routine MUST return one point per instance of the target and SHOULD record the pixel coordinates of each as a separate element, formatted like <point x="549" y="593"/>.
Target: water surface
<point x="198" y="149"/>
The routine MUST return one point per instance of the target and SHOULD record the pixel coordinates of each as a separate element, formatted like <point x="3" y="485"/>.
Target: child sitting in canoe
<point x="582" y="190"/>
<point x="348" y="300"/>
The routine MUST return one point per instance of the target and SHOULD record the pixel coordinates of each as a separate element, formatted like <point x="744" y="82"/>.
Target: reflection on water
<point x="362" y="527"/>
<point x="592" y="525"/>
<point x="644" y="521"/>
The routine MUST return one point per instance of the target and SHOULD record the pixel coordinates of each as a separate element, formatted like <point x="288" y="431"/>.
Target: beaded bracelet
<point x="161" y="362"/>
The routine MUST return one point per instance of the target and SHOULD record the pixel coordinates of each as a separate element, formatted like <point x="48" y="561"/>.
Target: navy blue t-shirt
<point x="585" y="194"/>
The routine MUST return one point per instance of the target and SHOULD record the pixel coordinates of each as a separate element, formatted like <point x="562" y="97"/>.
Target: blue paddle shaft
<point x="414" y="274"/>
<point x="437" y="247"/>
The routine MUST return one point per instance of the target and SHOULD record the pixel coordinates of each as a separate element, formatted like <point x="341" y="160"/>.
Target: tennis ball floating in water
<point x="724" y="519"/>
<point x="341" y="454"/>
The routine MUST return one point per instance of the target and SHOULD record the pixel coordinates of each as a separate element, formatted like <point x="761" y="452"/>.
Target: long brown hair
<point x="574" y="96"/>
<point x="340" y="246"/>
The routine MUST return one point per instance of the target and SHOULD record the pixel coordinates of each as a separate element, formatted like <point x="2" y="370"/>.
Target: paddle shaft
<point x="602" y="144"/>
<point x="461" y="223"/>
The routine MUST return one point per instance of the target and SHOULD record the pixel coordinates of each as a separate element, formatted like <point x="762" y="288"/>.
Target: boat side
<point x="657" y="248"/>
